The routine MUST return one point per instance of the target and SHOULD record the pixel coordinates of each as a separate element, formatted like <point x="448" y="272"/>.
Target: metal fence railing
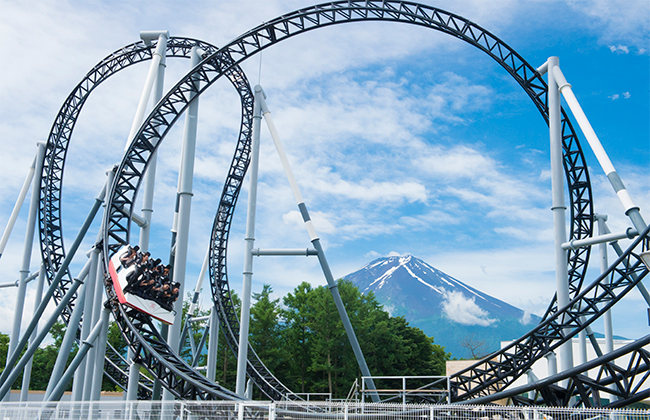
<point x="213" y="410"/>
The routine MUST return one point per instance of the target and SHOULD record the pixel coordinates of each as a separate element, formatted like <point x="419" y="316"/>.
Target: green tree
<point x="266" y="331"/>
<point x="298" y="336"/>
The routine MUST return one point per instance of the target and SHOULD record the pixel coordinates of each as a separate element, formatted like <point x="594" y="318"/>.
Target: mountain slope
<point x="442" y="306"/>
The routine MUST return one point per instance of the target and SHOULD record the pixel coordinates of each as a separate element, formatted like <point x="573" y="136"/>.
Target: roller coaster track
<point x="50" y="227"/>
<point x="164" y="115"/>
<point x="500" y="369"/>
<point x="622" y="381"/>
<point x="142" y="335"/>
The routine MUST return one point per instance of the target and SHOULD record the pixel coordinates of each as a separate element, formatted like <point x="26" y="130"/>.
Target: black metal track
<point x="158" y="123"/>
<point x="494" y="373"/>
<point x="50" y="228"/>
<point x="624" y="381"/>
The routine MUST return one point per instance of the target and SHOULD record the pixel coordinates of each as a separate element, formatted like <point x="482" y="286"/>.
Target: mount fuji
<point x="466" y="321"/>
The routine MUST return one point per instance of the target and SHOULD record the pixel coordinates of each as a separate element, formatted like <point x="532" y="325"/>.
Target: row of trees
<point x="301" y="339"/>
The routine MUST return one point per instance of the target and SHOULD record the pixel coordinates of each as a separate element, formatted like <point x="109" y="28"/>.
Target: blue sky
<point x="403" y="139"/>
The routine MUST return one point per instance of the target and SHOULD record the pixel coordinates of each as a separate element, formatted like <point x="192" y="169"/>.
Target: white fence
<point x="213" y="410"/>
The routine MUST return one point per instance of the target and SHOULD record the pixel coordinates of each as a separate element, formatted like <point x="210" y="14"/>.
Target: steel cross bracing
<point x="214" y="66"/>
<point x="52" y="248"/>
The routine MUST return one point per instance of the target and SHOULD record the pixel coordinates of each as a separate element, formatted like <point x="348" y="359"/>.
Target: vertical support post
<point x="150" y="175"/>
<point x="582" y="342"/>
<point x="604" y="265"/>
<point x="531" y="379"/>
<point x="27" y="373"/>
<point x="149" y="184"/>
<point x="551" y="363"/>
<point x="27" y="253"/>
<point x="134" y="379"/>
<point x="80" y="373"/>
<point x="558" y="206"/>
<point x="315" y="240"/>
<point x="98" y="374"/>
<point x="185" y="179"/>
<point x="213" y="345"/>
<point x="97" y="302"/>
<point x="69" y="337"/>
<point x="60" y="385"/>
<point x="242" y="354"/>
<point x="15" y="355"/>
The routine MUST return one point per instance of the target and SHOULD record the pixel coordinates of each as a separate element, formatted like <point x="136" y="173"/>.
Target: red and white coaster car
<point x="118" y="275"/>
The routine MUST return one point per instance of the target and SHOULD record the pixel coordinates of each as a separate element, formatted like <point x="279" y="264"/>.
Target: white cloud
<point x="619" y="23"/>
<point x="465" y="311"/>
<point x="619" y="48"/>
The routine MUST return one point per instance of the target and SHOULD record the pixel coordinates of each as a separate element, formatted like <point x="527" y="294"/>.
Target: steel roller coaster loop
<point x="50" y="227"/>
<point x="158" y="123"/>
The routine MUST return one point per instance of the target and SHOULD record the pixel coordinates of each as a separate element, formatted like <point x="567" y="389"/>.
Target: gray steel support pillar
<point x="315" y="240"/>
<point x="582" y="343"/>
<point x="242" y="354"/>
<point x="185" y="180"/>
<point x="551" y="363"/>
<point x="19" y="204"/>
<point x="149" y="184"/>
<point x="27" y="253"/>
<point x="80" y="373"/>
<point x="98" y="374"/>
<point x="69" y="337"/>
<point x="15" y="366"/>
<point x="62" y="384"/>
<point x="213" y="344"/>
<point x="11" y="361"/>
<point x="531" y="379"/>
<point x="607" y="317"/>
<point x="558" y="206"/>
<point x="27" y="373"/>
<point x="134" y="380"/>
<point x="150" y="175"/>
<point x="97" y="302"/>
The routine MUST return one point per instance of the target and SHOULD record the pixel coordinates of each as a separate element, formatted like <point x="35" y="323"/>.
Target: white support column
<point x="27" y="253"/>
<point x="156" y="58"/>
<point x="185" y="180"/>
<point x="631" y="210"/>
<point x="558" y="206"/>
<point x="27" y="373"/>
<point x="213" y="343"/>
<point x="315" y="240"/>
<point x="80" y="373"/>
<point x="149" y="185"/>
<point x="551" y="363"/>
<point x="100" y="344"/>
<point x="242" y="354"/>
<point x="604" y="265"/>
<point x="96" y="302"/>
<point x="150" y="175"/>
<point x="18" y="205"/>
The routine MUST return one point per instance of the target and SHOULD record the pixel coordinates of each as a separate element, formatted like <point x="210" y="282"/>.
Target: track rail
<point x="494" y="373"/>
<point x="221" y="62"/>
<point x="50" y="225"/>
